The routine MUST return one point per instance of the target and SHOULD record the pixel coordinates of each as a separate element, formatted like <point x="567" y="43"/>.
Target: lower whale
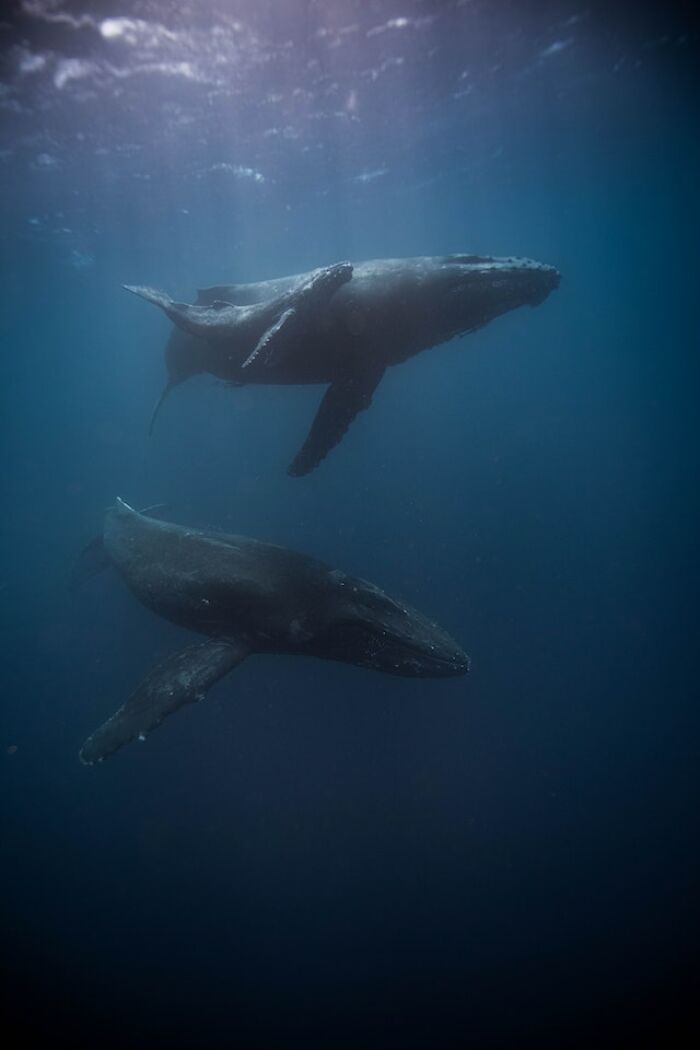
<point x="341" y="325"/>
<point x="247" y="597"/>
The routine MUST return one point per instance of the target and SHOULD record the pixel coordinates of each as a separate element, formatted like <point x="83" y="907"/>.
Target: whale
<point x="340" y="326"/>
<point x="246" y="596"/>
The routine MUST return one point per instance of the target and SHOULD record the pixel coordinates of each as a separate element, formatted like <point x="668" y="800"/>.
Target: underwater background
<point x="319" y="855"/>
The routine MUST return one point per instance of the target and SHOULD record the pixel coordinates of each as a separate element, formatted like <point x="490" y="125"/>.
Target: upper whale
<point x="341" y="325"/>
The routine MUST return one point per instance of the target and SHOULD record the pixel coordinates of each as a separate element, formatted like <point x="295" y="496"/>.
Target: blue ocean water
<point x="319" y="854"/>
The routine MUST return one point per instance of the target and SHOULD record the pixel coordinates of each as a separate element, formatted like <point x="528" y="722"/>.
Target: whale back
<point x="214" y="582"/>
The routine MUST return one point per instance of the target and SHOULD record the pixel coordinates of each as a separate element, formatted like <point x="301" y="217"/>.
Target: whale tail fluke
<point x="201" y="321"/>
<point x="151" y="295"/>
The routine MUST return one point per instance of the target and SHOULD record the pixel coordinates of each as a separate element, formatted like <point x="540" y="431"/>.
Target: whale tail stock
<point x="93" y="558"/>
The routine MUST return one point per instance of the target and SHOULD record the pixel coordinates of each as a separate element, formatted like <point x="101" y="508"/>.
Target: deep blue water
<point x="319" y="854"/>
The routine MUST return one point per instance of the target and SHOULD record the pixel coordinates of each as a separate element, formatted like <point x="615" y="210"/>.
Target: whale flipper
<point x="275" y="342"/>
<point x="269" y="342"/>
<point x="341" y="403"/>
<point x="183" y="678"/>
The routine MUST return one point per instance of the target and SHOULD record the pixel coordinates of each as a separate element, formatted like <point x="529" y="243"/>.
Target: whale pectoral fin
<point x="184" y="677"/>
<point x="313" y="295"/>
<point x="269" y="343"/>
<point x="341" y="403"/>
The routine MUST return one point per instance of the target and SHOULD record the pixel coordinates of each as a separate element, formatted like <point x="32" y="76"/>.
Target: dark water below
<point x="319" y="854"/>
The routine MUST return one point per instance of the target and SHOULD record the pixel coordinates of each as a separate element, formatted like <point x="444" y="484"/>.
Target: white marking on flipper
<point x="267" y="337"/>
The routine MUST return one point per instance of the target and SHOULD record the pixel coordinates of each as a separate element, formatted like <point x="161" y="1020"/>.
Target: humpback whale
<point x="341" y="325"/>
<point x="247" y="597"/>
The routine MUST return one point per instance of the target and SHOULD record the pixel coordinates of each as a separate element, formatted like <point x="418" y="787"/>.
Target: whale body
<point x="247" y="597"/>
<point x="341" y="325"/>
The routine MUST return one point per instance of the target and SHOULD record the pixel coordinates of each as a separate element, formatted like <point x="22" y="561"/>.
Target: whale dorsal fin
<point x="183" y="678"/>
<point x="341" y="403"/>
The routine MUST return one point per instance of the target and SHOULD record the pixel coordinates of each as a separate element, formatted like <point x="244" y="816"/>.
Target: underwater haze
<point x="319" y="854"/>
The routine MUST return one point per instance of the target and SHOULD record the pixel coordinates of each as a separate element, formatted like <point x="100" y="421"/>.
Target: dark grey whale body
<point x="343" y="325"/>
<point x="250" y="597"/>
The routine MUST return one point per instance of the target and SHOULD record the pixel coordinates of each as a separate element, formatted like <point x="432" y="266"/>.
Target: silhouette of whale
<point x="248" y="597"/>
<point x="342" y="325"/>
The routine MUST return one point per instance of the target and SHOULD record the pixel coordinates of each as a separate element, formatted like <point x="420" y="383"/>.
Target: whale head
<point x="474" y="289"/>
<point x="368" y="628"/>
<point x="518" y="282"/>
